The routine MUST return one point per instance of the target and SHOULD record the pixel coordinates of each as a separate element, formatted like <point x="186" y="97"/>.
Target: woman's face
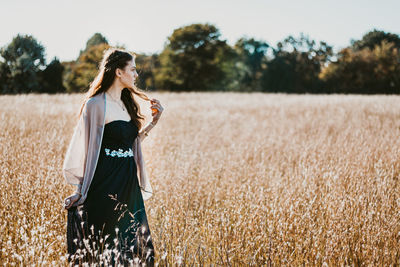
<point x="129" y="75"/>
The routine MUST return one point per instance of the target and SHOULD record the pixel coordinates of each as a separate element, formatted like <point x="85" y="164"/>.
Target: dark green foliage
<point x="295" y="66"/>
<point x="252" y="54"/>
<point x="192" y="59"/>
<point x="365" y="71"/>
<point x="146" y="66"/>
<point x="80" y="73"/>
<point x="96" y="39"/>
<point x="373" y="38"/>
<point x="23" y="58"/>
<point x="196" y="59"/>
<point x="51" y="77"/>
<point x="5" y="78"/>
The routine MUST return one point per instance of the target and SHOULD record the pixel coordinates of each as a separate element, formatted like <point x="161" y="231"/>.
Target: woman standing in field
<point x="105" y="162"/>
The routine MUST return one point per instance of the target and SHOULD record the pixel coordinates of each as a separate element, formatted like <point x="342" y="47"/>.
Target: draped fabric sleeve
<point x="144" y="182"/>
<point x="75" y="157"/>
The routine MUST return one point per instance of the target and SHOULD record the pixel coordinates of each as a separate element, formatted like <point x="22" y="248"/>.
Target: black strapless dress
<point x="114" y="199"/>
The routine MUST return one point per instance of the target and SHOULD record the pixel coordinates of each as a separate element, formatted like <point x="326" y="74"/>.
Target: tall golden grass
<point x="239" y="179"/>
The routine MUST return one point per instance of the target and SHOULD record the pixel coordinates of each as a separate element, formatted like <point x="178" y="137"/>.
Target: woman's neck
<point x="115" y="91"/>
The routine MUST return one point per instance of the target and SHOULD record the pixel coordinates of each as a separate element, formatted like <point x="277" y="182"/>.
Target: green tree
<point x="96" y="39"/>
<point x="5" y="78"/>
<point x="252" y="55"/>
<point x="23" y="59"/>
<point x="296" y="65"/>
<point x="80" y="73"/>
<point x="147" y="66"/>
<point x="374" y="38"/>
<point x="365" y="71"/>
<point x="234" y="70"/>
<point x="51" y="77"/>
<point x="191" y="59"/>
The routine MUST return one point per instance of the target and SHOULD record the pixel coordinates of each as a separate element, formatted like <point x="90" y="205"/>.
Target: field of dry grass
<point x="239" y="179"/>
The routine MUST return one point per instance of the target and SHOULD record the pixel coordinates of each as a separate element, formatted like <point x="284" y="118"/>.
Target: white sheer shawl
<point x="84" y="148"/>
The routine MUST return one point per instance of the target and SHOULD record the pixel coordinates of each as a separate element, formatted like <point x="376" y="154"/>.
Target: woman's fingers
<point x="158" y="107"/>
<point x="67" y="203"/>
<point x="71" y="200"/>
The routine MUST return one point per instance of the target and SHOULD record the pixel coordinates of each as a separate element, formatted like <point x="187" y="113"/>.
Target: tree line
<point x="196" y="58"/>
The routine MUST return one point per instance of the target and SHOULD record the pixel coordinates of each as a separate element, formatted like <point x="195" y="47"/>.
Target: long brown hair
<point x="114" y="58"/>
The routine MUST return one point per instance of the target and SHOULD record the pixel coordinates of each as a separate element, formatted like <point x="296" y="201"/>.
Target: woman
<point x="105" y="162"/>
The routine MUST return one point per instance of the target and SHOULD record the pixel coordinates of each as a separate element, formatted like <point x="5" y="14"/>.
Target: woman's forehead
<point x="131" y="63"/>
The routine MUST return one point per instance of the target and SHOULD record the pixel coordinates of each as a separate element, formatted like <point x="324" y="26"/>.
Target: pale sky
<point x="63" y="27"/>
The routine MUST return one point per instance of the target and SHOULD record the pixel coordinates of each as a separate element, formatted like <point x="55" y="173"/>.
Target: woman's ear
<point x="118" y="72"/>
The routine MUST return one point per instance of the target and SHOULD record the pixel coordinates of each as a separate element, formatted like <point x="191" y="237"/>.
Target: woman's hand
<point x="157" y="109"/>
<point x="71" y="200"/>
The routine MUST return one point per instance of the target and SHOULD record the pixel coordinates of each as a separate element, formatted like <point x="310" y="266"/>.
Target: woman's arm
<point x="145" y="130"/>
<point x="75" y="157"/>
<point x="156" y="116"/>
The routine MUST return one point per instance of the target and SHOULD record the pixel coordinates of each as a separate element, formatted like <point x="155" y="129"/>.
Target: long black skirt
<point x="112" y="220"/>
